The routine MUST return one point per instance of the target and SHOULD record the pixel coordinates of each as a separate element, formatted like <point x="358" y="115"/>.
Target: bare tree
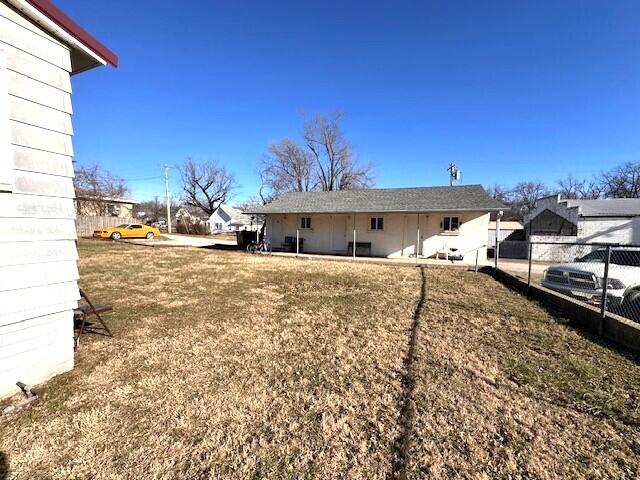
<point x="205" y="185"/>
<point x="499" y="192"/>
<point x="95" y="189"/>
<point x="622" y="181"/>
<point x="250" y="203"/>
<point x="335" y="166"/>
<point x="286" y="168"/>
<point x="571" y="187"/>
<point x="525" y="195"/>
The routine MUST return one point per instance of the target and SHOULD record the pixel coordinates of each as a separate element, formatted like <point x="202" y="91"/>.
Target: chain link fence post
<point x="530" y="260"/>
<point x="605" y="282"/>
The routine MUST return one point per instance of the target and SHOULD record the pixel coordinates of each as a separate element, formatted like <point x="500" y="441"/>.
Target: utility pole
<point x="454" y="173"/>
<point x="166" y="189"/>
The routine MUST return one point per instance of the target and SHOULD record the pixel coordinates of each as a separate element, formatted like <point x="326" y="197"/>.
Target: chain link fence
<point x="606" y="276"/>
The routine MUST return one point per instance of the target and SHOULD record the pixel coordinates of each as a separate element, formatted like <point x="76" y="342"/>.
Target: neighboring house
<point x="229" y="219"/>
<point x="105" y="207"/>
<point x="611" y="220"/>
<point x="40" y="47"/>
<point x="392" y="222"/>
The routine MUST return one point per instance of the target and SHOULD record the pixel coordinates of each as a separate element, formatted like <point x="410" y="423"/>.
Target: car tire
<point x="116" y="236"/>
<point x="149" y="236"/>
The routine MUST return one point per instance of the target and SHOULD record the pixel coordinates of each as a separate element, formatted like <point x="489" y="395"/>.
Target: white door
<point x="410" y="235"/>
<point x="276" y="230"/>
<point x="426" y="237"/>
<point x="339" y="233"/>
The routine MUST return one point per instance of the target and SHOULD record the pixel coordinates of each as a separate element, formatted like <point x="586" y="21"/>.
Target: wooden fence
<point x="86" y="224"/>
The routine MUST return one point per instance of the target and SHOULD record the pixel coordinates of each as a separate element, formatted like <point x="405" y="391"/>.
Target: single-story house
<point x="107" y="206"/>
<point x="230" y="219"/>
<point x="554" y="219"/>
<point x="388" y="222"/>
<point x="40" y="48"/>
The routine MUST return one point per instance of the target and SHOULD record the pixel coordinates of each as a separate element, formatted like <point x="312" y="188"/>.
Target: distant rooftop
<point x="379" y="200"/>
<point x="91" y="198"/>
<point x="608" y="207"/>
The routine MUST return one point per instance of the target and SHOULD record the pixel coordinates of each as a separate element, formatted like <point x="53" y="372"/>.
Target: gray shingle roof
<point x="608" y="207"/>
<point x="378" y="200"/>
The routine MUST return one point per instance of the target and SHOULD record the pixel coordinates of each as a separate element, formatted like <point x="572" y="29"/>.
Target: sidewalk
<point x="407" y="261"/>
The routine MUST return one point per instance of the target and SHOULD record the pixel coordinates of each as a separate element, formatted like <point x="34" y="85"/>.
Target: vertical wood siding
<point x="86" y="224"/>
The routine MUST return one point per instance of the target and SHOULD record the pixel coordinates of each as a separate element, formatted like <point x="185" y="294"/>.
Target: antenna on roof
<point x="454" y="173"/>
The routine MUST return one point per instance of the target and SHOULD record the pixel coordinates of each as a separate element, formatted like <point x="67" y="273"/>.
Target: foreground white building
<point x="40" y="48"/>
<point x="392" y="222"/>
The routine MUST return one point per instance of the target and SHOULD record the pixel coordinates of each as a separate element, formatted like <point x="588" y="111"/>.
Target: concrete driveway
<point x="520" y="268"/>
<point x="179" y="240"/>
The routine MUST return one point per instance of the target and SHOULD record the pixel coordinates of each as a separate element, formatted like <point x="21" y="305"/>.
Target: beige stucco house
<point x="394" y="222"/>
<point x="40" y="48"/>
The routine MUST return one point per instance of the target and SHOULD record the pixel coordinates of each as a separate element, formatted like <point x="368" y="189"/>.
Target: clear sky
<point x="508" y="90"/>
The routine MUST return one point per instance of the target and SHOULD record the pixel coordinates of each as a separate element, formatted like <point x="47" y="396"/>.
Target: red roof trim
<point x="63" y="21"/>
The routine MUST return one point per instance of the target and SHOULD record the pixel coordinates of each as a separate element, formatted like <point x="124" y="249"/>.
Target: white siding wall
<point x="398" y="238"/>
<point x="606" y="230"/>
<point x="38" y="274"/>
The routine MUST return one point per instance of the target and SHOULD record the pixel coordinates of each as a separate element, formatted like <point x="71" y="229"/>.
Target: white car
<point x="584" y="280"/>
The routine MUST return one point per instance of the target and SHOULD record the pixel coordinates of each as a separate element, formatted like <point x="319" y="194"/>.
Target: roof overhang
<point x="87" y="51"/>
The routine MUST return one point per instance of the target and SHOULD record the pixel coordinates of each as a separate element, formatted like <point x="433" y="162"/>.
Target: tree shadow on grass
<point x="407" y="407"/>
<point x="4" y="466"/>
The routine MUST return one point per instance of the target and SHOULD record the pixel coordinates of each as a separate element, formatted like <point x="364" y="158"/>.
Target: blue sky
<point x="507" y="90"/>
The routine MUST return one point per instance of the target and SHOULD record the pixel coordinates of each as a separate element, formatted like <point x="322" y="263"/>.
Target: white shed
<point x="40" y="48"/>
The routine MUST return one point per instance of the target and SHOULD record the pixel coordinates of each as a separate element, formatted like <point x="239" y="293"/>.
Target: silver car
<point x="583" y="279"/>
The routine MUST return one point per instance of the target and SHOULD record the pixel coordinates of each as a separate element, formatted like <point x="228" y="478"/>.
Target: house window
<point x="450" y="224"/>
<point x="6" y="158"/>
<point x="377" y="223"/>
<point x="305" y="222"/>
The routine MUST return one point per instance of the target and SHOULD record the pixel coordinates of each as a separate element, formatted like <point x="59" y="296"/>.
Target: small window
<point x="450" y="224"/>
<point x="133" y="227"/>
<point x="305" y="222"/>
<point x="377" y="223"/>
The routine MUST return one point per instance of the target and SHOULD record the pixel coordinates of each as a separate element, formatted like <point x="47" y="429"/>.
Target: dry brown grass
<point x="226" y="365"/>
<point x="506" y="391"/>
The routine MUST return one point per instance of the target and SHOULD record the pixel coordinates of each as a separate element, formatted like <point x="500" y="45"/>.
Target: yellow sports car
<point x="127" y="230"/>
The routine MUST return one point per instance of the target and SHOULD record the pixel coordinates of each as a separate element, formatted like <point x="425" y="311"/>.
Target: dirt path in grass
<point x="407" y="404"/>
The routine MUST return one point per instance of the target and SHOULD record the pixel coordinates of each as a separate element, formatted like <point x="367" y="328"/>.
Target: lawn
<point x="226" y="365"/>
